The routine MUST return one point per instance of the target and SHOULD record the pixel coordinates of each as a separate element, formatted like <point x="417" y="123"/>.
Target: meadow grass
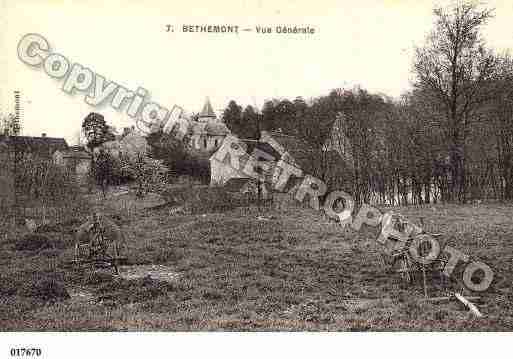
<point x="249" y="269"/>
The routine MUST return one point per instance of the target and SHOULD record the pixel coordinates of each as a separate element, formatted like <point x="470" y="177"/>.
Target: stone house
<point x="281" y="147"/>
<point x="75" y="158"/>
<point x="131" y="144"/>
<point x="43" y="147"/>
<point x="206" y="133"/>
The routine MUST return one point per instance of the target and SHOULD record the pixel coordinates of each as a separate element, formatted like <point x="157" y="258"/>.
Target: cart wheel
<point x="77" y="253"/>
<point x="405" y="269"/>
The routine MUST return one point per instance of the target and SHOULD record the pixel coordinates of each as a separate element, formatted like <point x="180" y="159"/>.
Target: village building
<point x="42" y="147"/>
<point x="130" y="144"/>
<point x="282" y="148"/>
<point x="279" y="146"/>
<point x="76" y="158"/>
<point x="202" y="134"/>
<point x="206" y="132"/>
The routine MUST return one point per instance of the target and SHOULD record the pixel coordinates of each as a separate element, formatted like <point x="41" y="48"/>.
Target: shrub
<point x="46" y="290"/>
<point x="41" y="289"/>
<point x="42" y="180"/>
<point x="149" y="174"/>
<point x="47" y="192"/>
<point x="33" y="242"/>
<point x="96" y="278"/>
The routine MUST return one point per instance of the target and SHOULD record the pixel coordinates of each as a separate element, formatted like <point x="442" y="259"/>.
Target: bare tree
<point x="455" y="70"/>
<point x="9" y="125"/>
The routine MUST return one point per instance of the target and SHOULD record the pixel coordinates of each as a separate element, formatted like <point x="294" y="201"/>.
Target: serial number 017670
<point x="25" y="352"/>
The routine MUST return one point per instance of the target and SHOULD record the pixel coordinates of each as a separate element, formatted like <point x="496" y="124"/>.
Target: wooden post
<point x="424" y="278"/>
<point x="469" y="305"/>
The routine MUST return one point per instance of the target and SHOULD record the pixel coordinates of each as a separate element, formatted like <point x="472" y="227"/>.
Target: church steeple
<point x="207" y="113"/>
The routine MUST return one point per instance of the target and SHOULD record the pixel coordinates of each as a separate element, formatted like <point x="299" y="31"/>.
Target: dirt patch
<point x="135" y="284"/>
<point x="358" y="305"/>
<point x="311" y="311"/>
<point x="156" y="272"/>
<point x="80" y="295"/>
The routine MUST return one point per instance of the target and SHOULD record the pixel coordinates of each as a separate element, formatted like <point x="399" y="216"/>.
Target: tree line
<point x="448" y="139"/>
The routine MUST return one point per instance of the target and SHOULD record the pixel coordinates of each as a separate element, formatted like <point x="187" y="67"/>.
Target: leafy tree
<point x="104" y="170"/>
<point x="170" y="150"/>
<point x="249" y="126"/>
<point x="10" y="125"/>
<point x="268" y="116"/>
<point x="301" y="115"/>
<point x="96" y="130"/>
<point x="148" y="173"/>
<point x="232" y="117"/>
<point x="284" y="117"/>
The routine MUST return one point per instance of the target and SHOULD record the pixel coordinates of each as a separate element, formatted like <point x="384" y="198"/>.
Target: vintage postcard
<point x="255" y="166"/>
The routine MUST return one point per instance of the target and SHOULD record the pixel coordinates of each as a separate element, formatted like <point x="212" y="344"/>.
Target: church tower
<point x="207" y="132"/>
<point x="207" y="114"/>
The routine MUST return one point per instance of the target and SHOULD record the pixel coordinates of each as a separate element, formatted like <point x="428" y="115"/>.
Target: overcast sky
<point x="365" y="42"/>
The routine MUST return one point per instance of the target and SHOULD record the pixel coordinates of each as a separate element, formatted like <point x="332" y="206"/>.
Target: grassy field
<point x="248" y="270"/>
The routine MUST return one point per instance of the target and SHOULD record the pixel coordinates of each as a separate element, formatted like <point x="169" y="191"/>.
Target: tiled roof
<point x="77" y="152"/>
<point x="292" y="150"/>
<point x="235" y="184"/>
<point x="43" y="146"/>
<point x="262" y="146"/>
<point x="217" y="129"/>
<point x="286" y="148"/>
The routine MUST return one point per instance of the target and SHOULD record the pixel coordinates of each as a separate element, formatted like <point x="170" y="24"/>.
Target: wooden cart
<point x="98" y="244"/>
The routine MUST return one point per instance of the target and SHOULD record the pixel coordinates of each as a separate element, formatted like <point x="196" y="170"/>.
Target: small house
<point x="280" y="147"/>
<point x="75" y="158"/>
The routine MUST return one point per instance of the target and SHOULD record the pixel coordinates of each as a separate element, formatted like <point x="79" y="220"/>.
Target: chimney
<point x="43" y="134"/>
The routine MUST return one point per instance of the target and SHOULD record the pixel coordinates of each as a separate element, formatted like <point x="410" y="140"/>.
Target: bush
<point x="96" y="278"/>
<point x="46" y="290"/>
<point x="41" y="289"/>
<point x="42" y="180"/>
<point x="33" y="242"/>
<point x="148" y="174"/>
<point x="48" y="193"/>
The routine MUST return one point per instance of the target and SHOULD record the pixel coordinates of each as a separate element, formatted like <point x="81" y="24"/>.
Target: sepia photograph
<point x="255" y="167"/>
